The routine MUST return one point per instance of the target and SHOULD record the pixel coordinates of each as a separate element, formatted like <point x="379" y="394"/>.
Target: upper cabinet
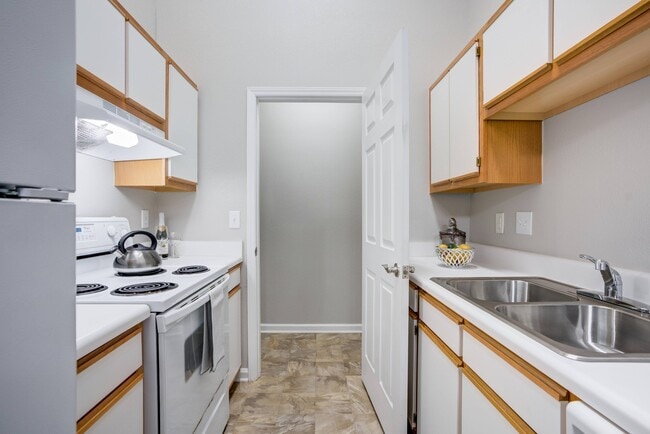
<point x="467" y="153"/>
<point x="101" y="44"/>
<point x="121" y="63"/>
<point x="146" y="73"/>
<point x="182" y="120"/>
<point x="537" y="58"/>
<point x="575" y="20"/>
<point x="454" y="122"/>
<point x="598" y="46"/>
<point x="516" y="45"/>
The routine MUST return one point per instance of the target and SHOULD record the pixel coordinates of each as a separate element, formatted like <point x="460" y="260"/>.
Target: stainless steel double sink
<point x="555" y="315"/>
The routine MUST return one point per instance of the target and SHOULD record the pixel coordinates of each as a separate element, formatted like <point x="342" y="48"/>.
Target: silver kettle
<point x="137" y="258"/>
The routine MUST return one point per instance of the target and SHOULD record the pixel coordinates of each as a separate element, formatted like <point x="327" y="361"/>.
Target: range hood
<point x="108" y="132"/>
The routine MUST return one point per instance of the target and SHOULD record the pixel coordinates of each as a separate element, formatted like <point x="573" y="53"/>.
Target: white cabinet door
<point x="438" y="390"/>
<point x="234" y="326"/>
<point x="439" y="130"/>
<point x="146" y="72"/>
<point x="101" y="41"/>
<point x="581" y="419"/>
<point x="463" y="115"/>
<point x="183" y="125"/>
<point x="515" y="45"/>
<point x="478" y="415"/>
<point x="574" y="20"/>
<point x="124" y="417"/>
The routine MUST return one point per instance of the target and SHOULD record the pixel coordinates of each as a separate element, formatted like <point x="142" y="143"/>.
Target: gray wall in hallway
<point x="595" y="195"/>
<point x="310" y="213"/>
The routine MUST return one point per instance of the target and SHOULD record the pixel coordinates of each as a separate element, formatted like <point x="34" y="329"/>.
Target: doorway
<point x="257" y="96"/>
<point x="310" y="217"/>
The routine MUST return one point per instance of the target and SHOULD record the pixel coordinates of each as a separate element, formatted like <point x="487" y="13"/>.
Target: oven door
<point x="192" y="358"/>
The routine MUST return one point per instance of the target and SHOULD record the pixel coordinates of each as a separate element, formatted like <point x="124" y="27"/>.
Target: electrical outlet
<point x="144" y="219"/>
<point x="524" y="223"/>
<point x="499" y="222"/>
<point x="233" y="219"/>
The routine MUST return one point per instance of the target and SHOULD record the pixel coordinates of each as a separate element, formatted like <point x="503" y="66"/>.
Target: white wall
<point x="229" y="45"/>
<point x="595" y="194"/>
<point x="310" y="213"/>
<point x="96" y="196"/>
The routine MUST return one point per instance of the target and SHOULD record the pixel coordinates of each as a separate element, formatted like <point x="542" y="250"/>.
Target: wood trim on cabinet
<point x="234" y="267"/>
<point x="544" y="69"/>
<point x="441" y="307"/>
<point x="451" y="355"/>
<point x="234" y="291"/>
<point x="620" y="39"/>
<point x="545" y="383"/>
<point x="506" y="411"/>
<point x="611" y="27"/>
<point x="89" y="419"/>
<point x="142" y="109"/>
<point x="412" y="314"/>
<point x="182" y="73"/>
<point x="97" y="86"/>
<point x="465" y="177"/>
<point x="89" y="359"/>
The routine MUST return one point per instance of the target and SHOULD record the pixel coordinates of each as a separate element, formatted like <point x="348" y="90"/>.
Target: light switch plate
<point x="234" y="220"/>
<point x="144" y="219"/>
<point x="524" y="223"/>
<point x="499" y="222"/>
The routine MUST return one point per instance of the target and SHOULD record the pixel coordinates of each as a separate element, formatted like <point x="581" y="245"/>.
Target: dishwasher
<point x="413" y="359"/>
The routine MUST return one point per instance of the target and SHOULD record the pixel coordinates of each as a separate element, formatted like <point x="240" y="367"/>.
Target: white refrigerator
<point x="37" y="243"/>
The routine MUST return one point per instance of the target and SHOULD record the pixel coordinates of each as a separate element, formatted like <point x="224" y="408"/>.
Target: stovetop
<point x="99" y="270"/>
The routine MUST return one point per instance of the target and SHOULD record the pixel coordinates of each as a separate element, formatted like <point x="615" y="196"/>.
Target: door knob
<point x="391" y="270"/>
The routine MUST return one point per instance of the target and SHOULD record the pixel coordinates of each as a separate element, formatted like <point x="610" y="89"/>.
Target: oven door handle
<point x="166" y="320"/>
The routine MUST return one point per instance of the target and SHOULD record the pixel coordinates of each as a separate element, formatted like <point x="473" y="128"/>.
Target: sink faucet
<point x="613" y="280"/>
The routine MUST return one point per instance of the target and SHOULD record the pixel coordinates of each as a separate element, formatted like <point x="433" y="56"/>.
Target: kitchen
<point x="228" y="47"/>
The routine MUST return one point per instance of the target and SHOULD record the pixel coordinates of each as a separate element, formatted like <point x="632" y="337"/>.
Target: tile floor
<point x="310" y="383"/>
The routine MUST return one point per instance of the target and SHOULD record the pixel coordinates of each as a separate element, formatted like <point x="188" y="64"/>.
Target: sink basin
<point x="583" y="331"/>
<point x="510" y="290"/>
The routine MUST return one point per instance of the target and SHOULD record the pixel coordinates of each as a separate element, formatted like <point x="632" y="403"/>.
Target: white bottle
<point x="162" y="237"/>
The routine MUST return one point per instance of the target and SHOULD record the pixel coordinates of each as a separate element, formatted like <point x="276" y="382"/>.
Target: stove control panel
<point x="95" y="235"/>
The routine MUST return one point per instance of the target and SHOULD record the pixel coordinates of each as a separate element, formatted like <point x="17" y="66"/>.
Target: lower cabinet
<point x="439" y="385"/>
<point x="480" y="415"/>
<point x="234" y="324"/>
<point x="470" y="383"/>
<point x="109" y="387"/>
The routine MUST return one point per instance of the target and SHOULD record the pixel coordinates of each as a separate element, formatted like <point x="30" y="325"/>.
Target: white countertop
<point x="620" y="391"/>
<point x="99" y="323"/>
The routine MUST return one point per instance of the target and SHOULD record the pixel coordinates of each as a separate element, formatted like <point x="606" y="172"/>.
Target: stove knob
<point x="111" y="231"/>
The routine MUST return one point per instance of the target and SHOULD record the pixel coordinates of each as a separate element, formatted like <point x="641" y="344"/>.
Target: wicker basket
<point x="455" y="258"/>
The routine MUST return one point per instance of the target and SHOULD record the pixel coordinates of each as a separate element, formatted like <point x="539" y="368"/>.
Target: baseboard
<point x="311" y="328"/>
<point x="243" y="376"/>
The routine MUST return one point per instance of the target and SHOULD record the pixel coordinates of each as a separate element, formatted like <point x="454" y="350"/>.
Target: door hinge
<point x="478" y="161"/>
<point x="407" y="270"/>
<point x="415" y="329"/>
<point x="478" y="51"/>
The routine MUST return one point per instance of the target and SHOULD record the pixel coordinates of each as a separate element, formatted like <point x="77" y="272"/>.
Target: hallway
<point x="310" y="383"/>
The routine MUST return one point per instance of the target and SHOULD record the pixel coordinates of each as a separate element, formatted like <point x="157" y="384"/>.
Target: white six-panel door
<point x="385" y="237"/>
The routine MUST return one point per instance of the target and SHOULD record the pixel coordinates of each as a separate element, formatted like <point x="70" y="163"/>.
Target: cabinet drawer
<point x="480" y="413"/>
<point x="103" y="370"/>
<point x="444" y="322"/>
<point x="537" y="399"/>
<point x="121" y="412"/>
